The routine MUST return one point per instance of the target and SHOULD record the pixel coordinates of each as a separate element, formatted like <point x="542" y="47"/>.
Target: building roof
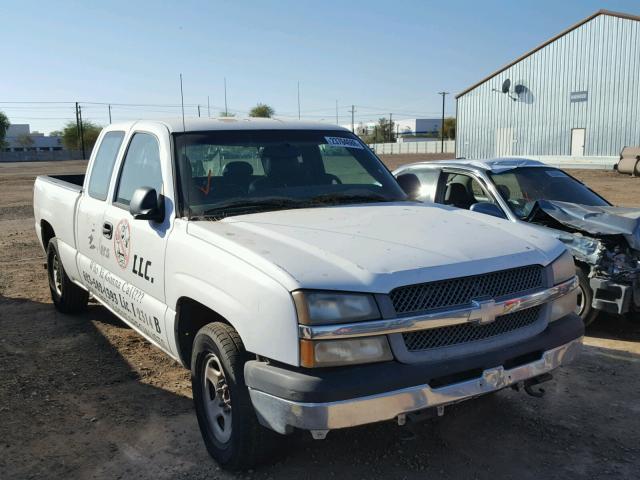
<point x="231" y="123"/>
<point x="551" y="40"/>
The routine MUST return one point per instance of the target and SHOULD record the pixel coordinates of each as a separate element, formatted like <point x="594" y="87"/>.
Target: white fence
<point x="431" y="146"/>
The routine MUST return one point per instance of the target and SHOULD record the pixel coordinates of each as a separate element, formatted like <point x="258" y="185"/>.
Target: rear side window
<point x="141" y="167"/>
<point x="103" y="165"/>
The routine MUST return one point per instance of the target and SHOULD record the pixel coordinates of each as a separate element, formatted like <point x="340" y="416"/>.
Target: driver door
<point x="136" y="268"/>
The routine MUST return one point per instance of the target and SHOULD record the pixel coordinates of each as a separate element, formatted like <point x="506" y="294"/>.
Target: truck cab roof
<point x="175" y="125"/>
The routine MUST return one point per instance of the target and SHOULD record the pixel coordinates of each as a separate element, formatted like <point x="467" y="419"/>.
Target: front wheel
<point x="585" y="298"/>
<point x="66" y="295"/>
<point x="227" y="420"/>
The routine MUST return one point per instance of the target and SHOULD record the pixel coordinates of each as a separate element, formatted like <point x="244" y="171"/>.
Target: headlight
<point x="563" y="268"/>
<point x="318" y="308"/>
<point x="332" y="353"/>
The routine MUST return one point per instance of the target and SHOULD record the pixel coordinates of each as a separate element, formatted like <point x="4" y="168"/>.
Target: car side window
<point x="103" y="163"/>
<point x="428" y="178"/>
<point x="141" y="167"/>
<point x="462" y="191"/>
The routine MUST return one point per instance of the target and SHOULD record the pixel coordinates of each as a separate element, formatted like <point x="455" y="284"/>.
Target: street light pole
<point x="444" y="94"/>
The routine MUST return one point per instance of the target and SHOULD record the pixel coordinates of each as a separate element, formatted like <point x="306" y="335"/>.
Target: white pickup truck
<point x="284" y="265"/>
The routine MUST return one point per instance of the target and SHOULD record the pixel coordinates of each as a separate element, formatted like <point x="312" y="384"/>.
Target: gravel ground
<point x="86" y="397"/>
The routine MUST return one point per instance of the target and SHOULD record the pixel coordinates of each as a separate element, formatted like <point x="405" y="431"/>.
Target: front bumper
<point x="285" y="399"/>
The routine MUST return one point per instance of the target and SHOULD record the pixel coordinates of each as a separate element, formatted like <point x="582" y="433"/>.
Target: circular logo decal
<point x="122" y="243"/>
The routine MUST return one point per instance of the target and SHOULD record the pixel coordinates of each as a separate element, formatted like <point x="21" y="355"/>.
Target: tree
<point x="262" y="110"/>
<point x="383" y="132"/>
<point x="24" y="140"/>
<point x="449" y="128"/>
<point x="71" y="139"/>
<point x="56" y="133"/>
<point x="227" y="114"/>
<point x="4" y="126"/>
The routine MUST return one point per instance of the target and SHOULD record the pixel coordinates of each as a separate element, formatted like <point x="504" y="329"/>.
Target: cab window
<point x="102" y="168"/>
<point x="141" y="167"/>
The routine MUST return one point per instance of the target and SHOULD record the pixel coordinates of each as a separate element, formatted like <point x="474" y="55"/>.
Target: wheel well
<point x="47" y="233"/>
<point x="191" y="316"/>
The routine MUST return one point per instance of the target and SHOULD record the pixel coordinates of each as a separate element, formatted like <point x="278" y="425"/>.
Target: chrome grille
<point x="469" y="332"/>
<point x="457" y="292"/>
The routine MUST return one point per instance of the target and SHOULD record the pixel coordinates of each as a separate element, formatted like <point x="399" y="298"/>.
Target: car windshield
<point x="225" y="173"/>
<point x="522" y="187"/>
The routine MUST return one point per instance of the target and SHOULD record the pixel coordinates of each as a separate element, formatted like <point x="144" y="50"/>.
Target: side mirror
<point x="410" y="185"/>
<point x="146" y="204"/>
<point x="488" y="209"/>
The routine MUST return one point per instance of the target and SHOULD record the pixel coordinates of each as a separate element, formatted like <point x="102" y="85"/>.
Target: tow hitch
<point x="528" y="385"/>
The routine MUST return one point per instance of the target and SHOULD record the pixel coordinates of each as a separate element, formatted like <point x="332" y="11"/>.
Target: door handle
<point x="107" y="230"/>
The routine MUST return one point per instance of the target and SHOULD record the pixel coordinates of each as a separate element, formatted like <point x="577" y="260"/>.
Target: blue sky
<point x="381" y="56"/>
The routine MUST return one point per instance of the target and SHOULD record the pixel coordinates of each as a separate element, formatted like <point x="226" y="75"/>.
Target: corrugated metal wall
<point x="601" y="57"/>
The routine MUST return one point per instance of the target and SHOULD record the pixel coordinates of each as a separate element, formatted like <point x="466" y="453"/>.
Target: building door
<point x="577" y="142"/>
<point x="504" y="142"/>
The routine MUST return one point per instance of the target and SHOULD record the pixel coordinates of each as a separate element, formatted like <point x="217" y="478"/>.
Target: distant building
<point x="403" y="128"/>
<point x="20" y="138"/>
<point x="577" y="94"/>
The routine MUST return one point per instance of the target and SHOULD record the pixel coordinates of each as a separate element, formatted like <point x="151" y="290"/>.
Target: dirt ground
<point x="85" y="397"/>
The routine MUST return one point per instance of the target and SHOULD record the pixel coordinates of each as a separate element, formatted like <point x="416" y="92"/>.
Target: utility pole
<point x="208" y="107"/>
<point x="390" y="127"/>
<point x="444" y="94"/>
<point x="198" y="110"/>
<point x="226" y="111"/>
<point x="353" y="111"/>
<point x="298" y="100"/>
<point x="109" y="114"/>
<point x="84" y="156"/>
<point x="77" y="126"/>
<point x="337" y="121"/>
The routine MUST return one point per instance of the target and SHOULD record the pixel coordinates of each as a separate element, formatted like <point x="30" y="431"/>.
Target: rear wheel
<point x="66" y="295"/>
<point x="585" y="298"/>
<point x="227" y="420"/>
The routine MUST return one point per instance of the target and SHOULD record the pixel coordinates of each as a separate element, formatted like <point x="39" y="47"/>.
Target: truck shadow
<point x="84" y="396"/>
<point x="616" y="327"/>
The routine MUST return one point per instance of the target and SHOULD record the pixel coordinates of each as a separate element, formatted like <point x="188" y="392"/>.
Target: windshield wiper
<point x="243" y="206"/>
<point x="337" y="198"/>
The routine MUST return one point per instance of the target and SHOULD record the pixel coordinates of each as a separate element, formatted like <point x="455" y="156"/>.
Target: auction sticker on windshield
<point x="344" y="142"/>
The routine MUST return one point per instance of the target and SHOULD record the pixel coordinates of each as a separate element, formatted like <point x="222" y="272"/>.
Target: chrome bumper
<point x="282" y="415"/>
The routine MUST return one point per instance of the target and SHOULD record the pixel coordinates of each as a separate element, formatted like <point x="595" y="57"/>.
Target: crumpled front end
<point x="605" y="240"/>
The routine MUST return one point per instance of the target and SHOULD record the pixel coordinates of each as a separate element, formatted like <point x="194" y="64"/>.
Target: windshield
<point x="225" y="173"/>
<point x="522" y="187"/>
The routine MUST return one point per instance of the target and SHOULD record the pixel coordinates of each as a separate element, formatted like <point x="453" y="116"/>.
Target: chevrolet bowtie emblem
<point x="484" y="311"/>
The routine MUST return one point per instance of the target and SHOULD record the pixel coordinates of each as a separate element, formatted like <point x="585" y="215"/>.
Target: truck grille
<point x="469" y="332"/>
<point x="456" y="292"/>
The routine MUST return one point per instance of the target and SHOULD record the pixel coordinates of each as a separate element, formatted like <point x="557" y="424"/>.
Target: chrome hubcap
<point x="217" y="399"/>
<point x="580" y="304"/>
<point x="57" y="275"/>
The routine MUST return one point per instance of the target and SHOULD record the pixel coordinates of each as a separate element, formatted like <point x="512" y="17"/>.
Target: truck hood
<point x="596" y="220"/>
<point x="376" y="247"/>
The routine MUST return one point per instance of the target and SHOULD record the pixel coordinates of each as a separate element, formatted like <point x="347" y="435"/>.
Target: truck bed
<point x="55" y="199"/>
<point x="74" y="179"/>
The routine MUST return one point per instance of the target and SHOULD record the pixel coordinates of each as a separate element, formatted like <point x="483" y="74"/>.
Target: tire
<point x="228" y="423"/>
<point x="66" y="295"/>
<point x="585" y="297"/>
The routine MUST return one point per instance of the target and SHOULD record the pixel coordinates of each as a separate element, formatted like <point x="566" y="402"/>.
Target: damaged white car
<point x="604" y="240"/>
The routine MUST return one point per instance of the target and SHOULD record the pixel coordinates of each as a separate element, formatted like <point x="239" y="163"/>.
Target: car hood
<point x="376" y="247"/>
<point x="596" y="220"/>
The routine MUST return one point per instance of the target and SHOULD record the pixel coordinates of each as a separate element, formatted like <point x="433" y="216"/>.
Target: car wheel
<point x="585" y="297"/>
<point x="66" y="295"/>
<point x="228" y="423"/>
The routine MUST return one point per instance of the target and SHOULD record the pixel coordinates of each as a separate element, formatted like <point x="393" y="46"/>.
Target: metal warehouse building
<point x="576" y="95"/>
